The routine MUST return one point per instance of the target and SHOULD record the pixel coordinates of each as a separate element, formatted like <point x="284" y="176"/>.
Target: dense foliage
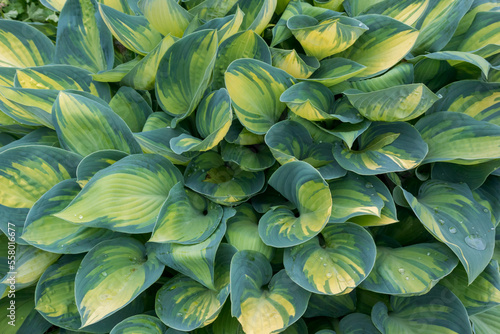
<point x="250" y="166"/>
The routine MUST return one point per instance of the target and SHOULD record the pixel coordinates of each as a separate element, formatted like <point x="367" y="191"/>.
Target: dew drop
<point x="436" y="210"/>
<point x="328" y="275"/>
<point x="461" y="222"/>
<point x="180" y="314"/>
<point x="475" y="241"/>
<point x="361" y="24"/>
<point x="80" y="217"/>
<point x="104" y="274"/>
<point x="368" y="185"/>
<point x="321" y="258"/>
<point x="439" y="96"/>
<point x="492" y="228"/>
<point x="407" y="278"/>
<point x="452" y="230"/>
<point x="428" y="254"/>
<point x="321" y="142"/>
<point x="324" y="264"/>
<point x="401" y="271"/>
<point x="441" y="221"/>
<point x="485" y="210"/>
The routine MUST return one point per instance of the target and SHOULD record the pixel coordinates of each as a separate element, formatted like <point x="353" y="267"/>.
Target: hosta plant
<point x="251" y="166"/>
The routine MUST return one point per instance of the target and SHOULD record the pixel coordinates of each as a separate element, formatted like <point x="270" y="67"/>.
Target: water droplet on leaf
<point x="475" y="241"/>
<point x="452" y="230"/>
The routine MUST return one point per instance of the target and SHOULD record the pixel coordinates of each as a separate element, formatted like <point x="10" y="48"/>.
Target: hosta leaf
<point x="82" y="38"/>
<point x="56" y="235"/>
<point x="398" y="103"/>
<point x="450" y="213"/>
<point x="61" y="77"/>
<point x="331" y="306"/>
<point x="131" y="107"/>
<point x="197" y="260"/>
<point x="486" y="322"/>
<point x="28" y="106"/>
<point x="258" y="13"/>
<point x="280" y="30"/>
<point x="193" y="304"/>
<point x="354" y="195"/>
<point x="208" y="10"/>
<point x="76" y="116"/>
<point x="290" y="141"/>
<point x="401" y="74"/>
<point x="255" y="87"/>
<point x="26" y="173"/>
<point x="445" y="131"/>
<point x="111" y="276"/>
<point x="410" y="271"/>
<point x="245" y="44"/>
<point x="357" y="323"/>
<point x="438" y="24"/>
<point x="41" y="136"/>
<point x="338" y="266"/>
<point x="481" y="33"/>
<point x="213" y="119"/>
<point x="487" y="196"/>
<point x="168" y="17"/>
<point x="302" y="185"/>
<point x="30" y="263"/>
<point x="55" y="5"/>
<point x="243" y="233"/>
<point x="133" y="32"/>
<point x="297" y="65"/>
<point x="263" y="310"/>
<point x="309" y="100"/>
<point x="383" y="148"/>
<point x="251" y="158"/>
<point x="325" y="38"/>
<point x="483" y="294"/>
<point x="157" y="120"/>
<point x="406" y="11"/>
<point x="438" y="311"/>
<point x="27" y="319"/>
<point x="186" y="218"/>
<point x="126" y="196"/>
<point x="473" y="175"/>
<point x="140" y="323"/>
<point x="224" y="183"/>
<point x="385" y="43"/>
<point x="158" y="142"/>
<point x="94" y="162"/>
<point x="226" y="27"/>
<point x="116" y="74"/>
<point x="143" y="73"/>
<point x="475" y="98"/>
<point x="237" y="134"/>
<point x="180" y="84"/>
<point x="333" y="71"/>
<point x="7" y="76"/>
<point x="23" y="46"/>
<point x="464" y="61"/>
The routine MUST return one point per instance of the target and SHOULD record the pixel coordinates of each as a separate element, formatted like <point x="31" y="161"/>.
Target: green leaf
<point x="140" y="323"/>
<point x="221" y="182"/>
<point x="487" y="196"/>
<point x="61" y="77"/>
<point x="186" y="218"/>
<point x="131" y="107"/>
<point x="438" y="24"/>
<point x="56" y="235"/>
<point x="309" y="100"/>
<point x="354" y="195"/>
<point x="258" y="13"/>
<point x="357" y="323"/>
<point x="438" y="311"/>
<point x="263" y="310"/>
<point x="213" y="119"/>
<point x="383" y="148"/>
<point x="331" y="306"/>
<point x="180" y="84"/>
<point x="473" y="175"/>
<point x="406" y="11"/>
<point x="158" y="142"/>
<point x="333" y="71"/>
<point x="126" y="196"/>
<point x="290" y="141"/>
<point x="26" y="173"/>
<point x="82" y="38"/>
<point x="450" y="213"/>
<point x="464" y="61"/>
<point x="302" y="185"/>
<point x="385" y="43"/>
<point x="196" y="261"/>
<point x="243" y="233"/>
<point x="193" y="304"/>
<point x="76" y="116"/>
<point x="480" y="296"/>
<point x="255" y="87"/>
<point x="325" y="38"/>
<point x="446" y="131"/>
<point x="168" y="17"/>
<point x="253" y="158"/>
<point x="410" y="271"/>
<point x="481" y="33"/>
<point x="111" y="276"/>
<point x="486" y="322"/>
<point x="133" y="32"/>
<point x="94" y="162"/>
<point x="23" y="46"/>
<point x="398" y="103"/>
<point x="338" y="266"/>
<point x="297" y="65"/>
